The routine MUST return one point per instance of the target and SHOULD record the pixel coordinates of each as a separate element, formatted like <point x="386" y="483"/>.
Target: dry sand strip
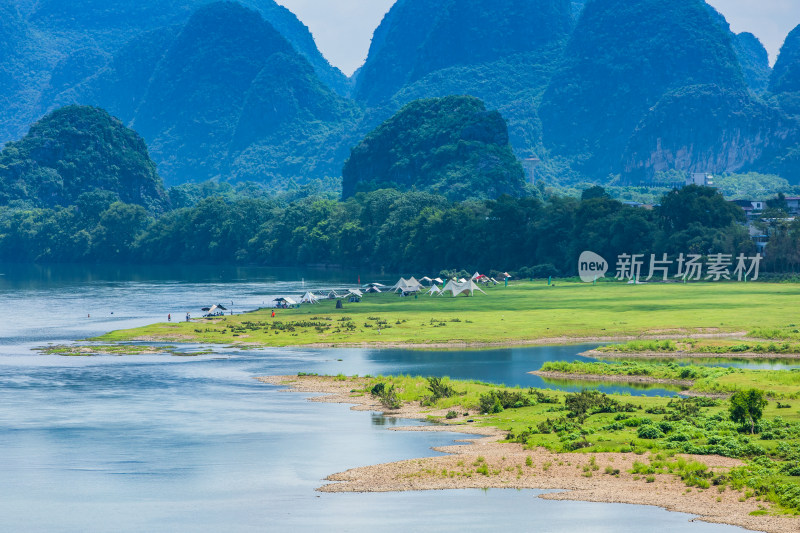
<point x="483" y="462"/>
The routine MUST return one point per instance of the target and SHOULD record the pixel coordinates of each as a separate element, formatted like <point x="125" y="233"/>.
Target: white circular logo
<point x="591" y="267"/>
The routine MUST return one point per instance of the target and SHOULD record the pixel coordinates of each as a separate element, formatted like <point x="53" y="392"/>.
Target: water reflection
<point x="380" y="420"/>
<point x="571" y="384"/>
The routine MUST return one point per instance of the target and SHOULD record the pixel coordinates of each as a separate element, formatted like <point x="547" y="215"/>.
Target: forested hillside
<point x="76" y="152"/>
<point x="599" y="90"/>
<point x="450" y="146"/>
<point x="121" y="56"/>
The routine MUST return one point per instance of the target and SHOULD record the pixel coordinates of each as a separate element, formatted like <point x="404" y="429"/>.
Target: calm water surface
<point x="160" y="443"/>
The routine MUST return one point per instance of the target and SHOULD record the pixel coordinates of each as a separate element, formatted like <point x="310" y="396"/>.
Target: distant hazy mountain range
<point x="239" y="91"/>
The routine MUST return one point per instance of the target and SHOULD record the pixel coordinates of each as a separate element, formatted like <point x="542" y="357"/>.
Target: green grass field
<point x="522" y="312"/>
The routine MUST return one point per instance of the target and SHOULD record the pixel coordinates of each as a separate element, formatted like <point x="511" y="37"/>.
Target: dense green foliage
<point x="754" y="60"/>
<point x="389" y="229"/>
<point x="232" y="98"/>
<point x="418" y="37"/>
<point x="222" y="92"/>
<point x="74" y="152"/>
<point x="786" y="74"/>
<point x="451" y="146"/>
<point x="182" y="74"/>
<point x="747" y="408"/>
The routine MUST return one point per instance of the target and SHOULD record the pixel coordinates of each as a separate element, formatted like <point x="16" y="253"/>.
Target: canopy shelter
<point x="373" y="290"/>
<point x="406" y="286"/>
<point x="455" y="288"/>
<point x="333" y="296"/>
<point x="462" y="280"/>
<point x="475" y="276"/>
<point x="439" y="281"/>
<point x="285" y="302"/>
<point x="482" y="278"/>
<point x="355" y="292"/>
<point x="378" y="285"/>
<point x="434" y="290"/>
<point x="214" y="310"/>
<point x="308" y="298"/>
<point x="426" y="280"/>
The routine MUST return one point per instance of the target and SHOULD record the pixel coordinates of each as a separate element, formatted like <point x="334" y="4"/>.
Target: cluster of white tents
<point x="405" y="287"/>
<point x="454" y="287"/>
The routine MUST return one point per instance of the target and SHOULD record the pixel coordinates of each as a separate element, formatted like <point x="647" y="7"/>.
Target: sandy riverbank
<point x="511" y="466"/>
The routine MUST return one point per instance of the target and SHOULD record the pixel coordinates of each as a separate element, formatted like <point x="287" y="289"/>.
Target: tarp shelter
<point x="308" y="298"/>
<point x="475" y="276"/>
<point x="438" y="280"/>
<point x="356" y="292"/>
<point x="434" y="290"/>
<point x="378" y="285"/>
<point x="426" y="280"/>
<point x="457" y="288"/>
<point x="332" y="295"/>
<point x="373" y="290"/>
<point x="505" y="275"/>
<point x="462" y="280"/>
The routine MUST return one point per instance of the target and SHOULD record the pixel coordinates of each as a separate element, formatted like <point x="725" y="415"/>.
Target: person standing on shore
<point x="169" y="317"/>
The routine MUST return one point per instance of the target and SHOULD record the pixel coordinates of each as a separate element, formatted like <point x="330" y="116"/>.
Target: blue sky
<point x="343" y="28"/>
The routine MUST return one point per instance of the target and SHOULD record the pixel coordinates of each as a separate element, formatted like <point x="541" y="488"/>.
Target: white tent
<point x="457" y="288"/>
<point x="407" y="285"/>
<point x="438" y="280"/>
<point x="332" y="295"/>
<point x="308" y="298"/>
<point x="476" y="275"/>
<point x="434" y="290"/>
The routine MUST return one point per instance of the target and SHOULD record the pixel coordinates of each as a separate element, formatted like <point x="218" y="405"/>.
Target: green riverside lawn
<point x="522" y="312"/>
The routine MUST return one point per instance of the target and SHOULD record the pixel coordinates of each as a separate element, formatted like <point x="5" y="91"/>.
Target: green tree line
<point x="384" y="229"/>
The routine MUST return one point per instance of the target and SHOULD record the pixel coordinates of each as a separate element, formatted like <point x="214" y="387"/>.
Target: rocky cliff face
<point x="623" y="57"/>
<point x="705" y="128"/>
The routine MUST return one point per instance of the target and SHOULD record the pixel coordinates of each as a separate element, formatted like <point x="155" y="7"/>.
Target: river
<point x="163" y="443"/>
